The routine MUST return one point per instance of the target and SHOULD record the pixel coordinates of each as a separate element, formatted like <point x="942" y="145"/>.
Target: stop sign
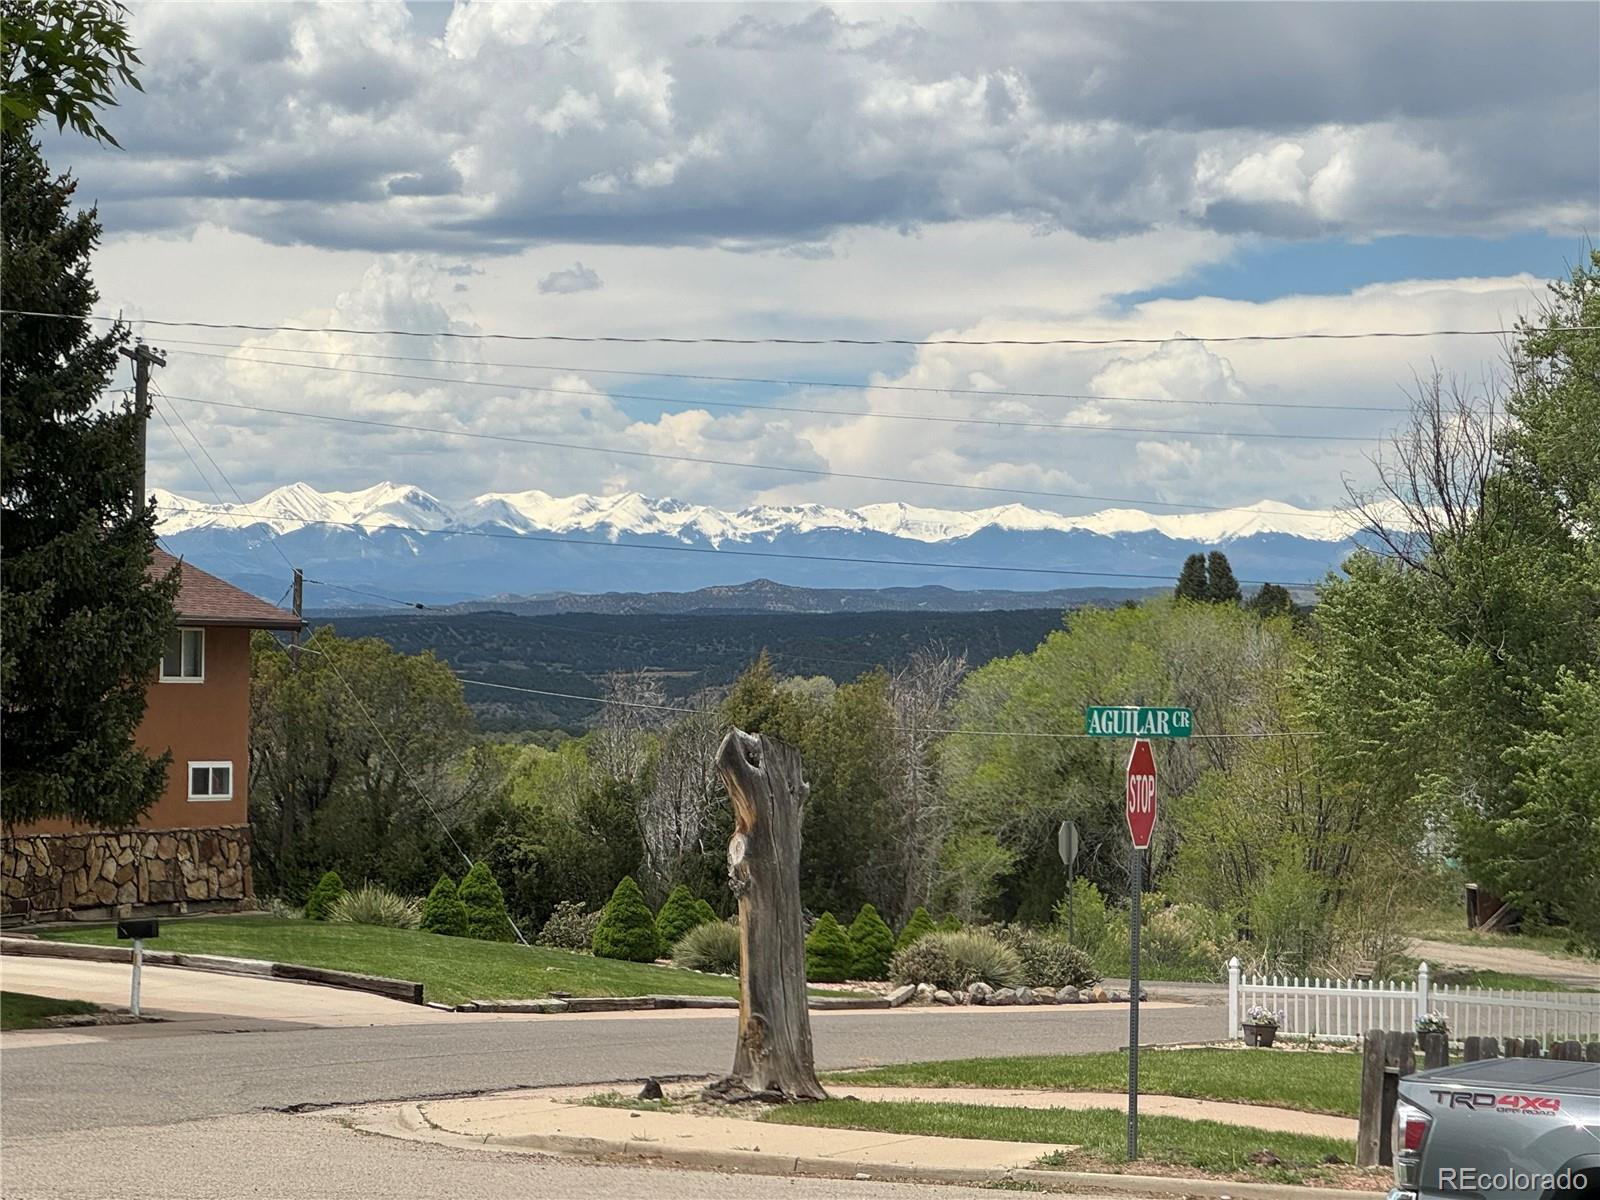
<point x="1141" y="794"/>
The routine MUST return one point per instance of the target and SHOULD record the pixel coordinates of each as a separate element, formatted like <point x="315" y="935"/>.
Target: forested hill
<point x="687" y="652"/>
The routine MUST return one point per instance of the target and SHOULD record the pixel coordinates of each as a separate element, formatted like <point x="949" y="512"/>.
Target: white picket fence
<point x="1344" y="1009"/>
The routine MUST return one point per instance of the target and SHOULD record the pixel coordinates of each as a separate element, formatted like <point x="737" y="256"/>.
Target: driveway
<point x="1514" y="960"/>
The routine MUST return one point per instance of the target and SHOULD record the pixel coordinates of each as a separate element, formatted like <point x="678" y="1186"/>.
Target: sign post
<point x="138" y="931"/>
<point x="1067" y="847"/>
<point x="1141" y="813"/>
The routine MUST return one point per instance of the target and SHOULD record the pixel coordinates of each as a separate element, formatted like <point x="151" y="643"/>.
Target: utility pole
<point x="142" y="357"/>
<point x="299" y="596"/>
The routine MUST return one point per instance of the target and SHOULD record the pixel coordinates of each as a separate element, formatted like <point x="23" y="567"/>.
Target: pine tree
<point x="873" y="942"/>
<point x="920" y="925"/>
<point x="443" y="912"/>
<point x="677" y="916"/>
<point x="82" y="624"/>
<point x="830" y="958"/>
<point x="1271" y="601"/>
<point x="627" y="928"/>
<point x="704" y="914"/>
<point x="486" y="906"/>
<point x="1192" y="579"/>
<point x="949" y="923"/>
<point x="329" y="888"/>
<point x="1221" y="586"/>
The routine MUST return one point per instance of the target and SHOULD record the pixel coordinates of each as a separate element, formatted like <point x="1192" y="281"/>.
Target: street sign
<point x="1141" y="797"/>
<point x="1135" y="722"/>
<point x="1067" y="842"/>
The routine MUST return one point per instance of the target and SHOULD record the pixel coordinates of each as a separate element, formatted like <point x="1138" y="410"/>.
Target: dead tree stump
<point x="773" y="1058"/>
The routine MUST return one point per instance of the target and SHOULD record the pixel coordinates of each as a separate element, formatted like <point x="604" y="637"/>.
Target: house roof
<point x="203" y="599"/>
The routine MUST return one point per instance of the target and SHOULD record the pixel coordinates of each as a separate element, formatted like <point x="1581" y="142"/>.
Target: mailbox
<point x="146" y="928"/>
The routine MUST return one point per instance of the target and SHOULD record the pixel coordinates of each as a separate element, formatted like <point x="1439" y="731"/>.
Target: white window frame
<point x="183" y="630"/>
<point x="209" y="765"/>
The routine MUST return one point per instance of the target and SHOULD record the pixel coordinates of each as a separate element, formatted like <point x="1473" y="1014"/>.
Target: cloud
<point x="353" y="125"/>
<point x="576" y="278"/>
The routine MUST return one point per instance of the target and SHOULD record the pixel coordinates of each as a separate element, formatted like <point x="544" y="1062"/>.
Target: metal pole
<point x="138" y="963"/>
<point x="1070" y="939"/>
<point x="1133" y="1006"/>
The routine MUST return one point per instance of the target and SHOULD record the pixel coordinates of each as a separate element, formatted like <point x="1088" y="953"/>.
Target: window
<point x="184" y="659"/>
<point x="211" y="781"/>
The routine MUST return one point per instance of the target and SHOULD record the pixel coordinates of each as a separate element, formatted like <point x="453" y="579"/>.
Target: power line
<point x="776" y="554"/>
<point x="877" y="415"/>
<point x="614" y="339"/>
<point x="987" y="393"/>
<point x="355" y="591"/>
<point x="813" y="472"/>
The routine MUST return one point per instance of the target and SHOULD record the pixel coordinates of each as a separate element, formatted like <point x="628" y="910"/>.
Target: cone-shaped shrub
<point x="677" y="916"/>
<point x="627" y="928"/>
<point x="703" y="912"/>
<point x="329" y="888"/>
<point x="443" y="912"/>
<point x="949" y="923"/>
<point x="486" y="906"/>
<point x="830" y="958"/>
<point x="920" y="925"/>
<point x="873" y="942"/>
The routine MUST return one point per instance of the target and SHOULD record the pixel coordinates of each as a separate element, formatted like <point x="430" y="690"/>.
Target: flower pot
<point x="1259" y="1035"/>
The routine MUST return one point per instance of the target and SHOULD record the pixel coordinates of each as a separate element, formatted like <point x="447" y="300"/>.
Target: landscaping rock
<point x="1067" y="995"/>
<point x="1098" y="995"/>
<point x="1025" y="995"/>
<point x="1043" y="996"/>
<point x="943" y="997"/>
<point x="1117" y="997"/>
<point x="1004" y="997"/>
<point x="651" y="1089"/>
<point x="925" y="991"/>
<point x="901" y="995"/>
<point x="979" y="993"/>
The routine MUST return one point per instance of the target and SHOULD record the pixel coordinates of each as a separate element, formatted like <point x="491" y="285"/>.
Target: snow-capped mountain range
<point x="397" y="537"/>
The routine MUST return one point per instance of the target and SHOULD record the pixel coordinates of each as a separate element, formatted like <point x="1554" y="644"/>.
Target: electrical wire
<point x="775" y="554"/>
<point x="812" y="472"/>
<point x="754" y="406"/>
<point x="355" y="591"/>
<point x="615" y="339"/>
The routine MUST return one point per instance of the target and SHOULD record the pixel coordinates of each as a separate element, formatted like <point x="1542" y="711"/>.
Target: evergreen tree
<point x="873" y="942"/>
<point x="920" y="925"/>
<point x="627" y="928"/>
<point x="704" y="914"/>
<point x="82" y="623"/>
<point x="329" y="888"/>
<point x="949" y="923"/>
<point x="486" y="906"/>
<point x="677" y="916"/>
<point x="1192" y="579"/>
<point x="443" y="912"/>
<point x="1271" y="601"/>
<point x="830" y="958"/>
<point x="1221" y="586"/>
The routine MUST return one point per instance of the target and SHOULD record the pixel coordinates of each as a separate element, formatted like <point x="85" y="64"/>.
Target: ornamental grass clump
<point x="486" y="906"/>
<point x="443" y="912"/>
<point x="712" y="947"/>
<point x="957" y="960"/>
<point x="830" y="958"/>
<point x="370" y="904"/>
<point x="329" y="888"/>
<point x="627" y="928"/>
<point x="873" y="942"/>
<point x="1050" y="961"/>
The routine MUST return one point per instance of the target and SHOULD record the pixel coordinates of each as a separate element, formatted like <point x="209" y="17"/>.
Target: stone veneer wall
<point x="61" y="874"/>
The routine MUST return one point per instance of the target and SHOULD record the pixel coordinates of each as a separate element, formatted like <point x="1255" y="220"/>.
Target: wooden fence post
<point x="1531" y="1048"/>
<point x="1591" y="1052"/>
<point x="1435" y="1050"/>
<point x="1513" y="1047"/>
<point x="1573" y="1049"/>
<point x="1489" y="1048"/>
<point x="1369" y="1130"/>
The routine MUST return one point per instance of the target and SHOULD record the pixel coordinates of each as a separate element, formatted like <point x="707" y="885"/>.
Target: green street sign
<point x="1126" y="721"/>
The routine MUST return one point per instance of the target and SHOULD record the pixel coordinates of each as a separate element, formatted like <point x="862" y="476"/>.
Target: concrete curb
<point x="756" y="1162"/>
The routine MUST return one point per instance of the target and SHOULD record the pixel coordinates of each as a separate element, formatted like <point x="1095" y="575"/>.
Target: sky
<point x="994" y="171"/>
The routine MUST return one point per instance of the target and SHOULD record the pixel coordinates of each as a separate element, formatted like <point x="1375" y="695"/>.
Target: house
<point x="191" y="850"/>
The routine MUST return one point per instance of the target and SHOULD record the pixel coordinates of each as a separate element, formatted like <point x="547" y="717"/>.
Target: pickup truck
<point x="1499" y="1129"/>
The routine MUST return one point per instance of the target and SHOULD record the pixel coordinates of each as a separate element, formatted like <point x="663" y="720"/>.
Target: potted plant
<point x="1433" y="1021"/>
<point x="1260" y="1026"/>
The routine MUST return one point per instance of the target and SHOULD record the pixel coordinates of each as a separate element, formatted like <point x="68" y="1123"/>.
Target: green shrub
<point x="920" y="925"/>
<point x="486" y="906"/>
<point x="954" y="960"/>
<point x="873" y="942"/>
<point x="329" y="888"/>
<point x="569" y="927"/>
<point x="370" y="904"/>
<point x="830" y="958"/>
<point x="443" y="912"/>
<point x="711" y="946"/>
<point x="1049" y="960"/>
<point x="703" y="912"/>
<point x="949" y="923"/>
<point x="677" y="916"/>
<point x="627" y="928"/>
<point x="1091" y="923"/>
<point x="1187" y="939"/>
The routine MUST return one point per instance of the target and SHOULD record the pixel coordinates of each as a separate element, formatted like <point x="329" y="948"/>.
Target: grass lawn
<point x="1307" y="1081"/>
<point x="451" y="970"/>
<point x="1468" y="977"/>
<point x="1102" y="1133"/>
<point x="19" y="1010"/>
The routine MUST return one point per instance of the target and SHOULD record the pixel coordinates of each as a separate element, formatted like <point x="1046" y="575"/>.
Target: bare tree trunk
<point x="773" y="1058"/>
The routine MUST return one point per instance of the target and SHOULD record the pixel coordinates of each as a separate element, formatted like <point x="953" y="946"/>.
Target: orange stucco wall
<point x="200" y="722"/>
